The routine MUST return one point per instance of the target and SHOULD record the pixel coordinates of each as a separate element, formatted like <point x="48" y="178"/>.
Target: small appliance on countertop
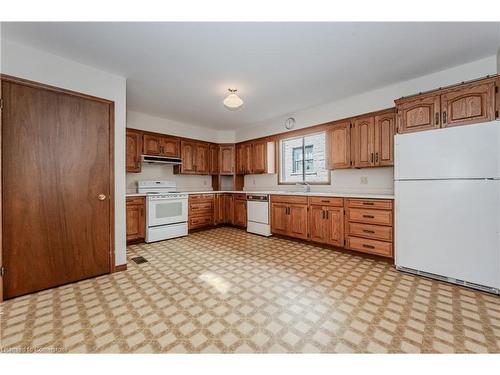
<point x="166" y="210"/>
<point x="258" y="214"/>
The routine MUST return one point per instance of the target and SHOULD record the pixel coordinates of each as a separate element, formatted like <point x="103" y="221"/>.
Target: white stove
<point x="166" y="210"/>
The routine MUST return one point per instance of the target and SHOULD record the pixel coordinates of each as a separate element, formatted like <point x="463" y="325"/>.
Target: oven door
<point x="166" y="211"/>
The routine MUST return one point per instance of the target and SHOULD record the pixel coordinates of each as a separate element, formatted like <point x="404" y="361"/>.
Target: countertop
<point x="273" y="192"/>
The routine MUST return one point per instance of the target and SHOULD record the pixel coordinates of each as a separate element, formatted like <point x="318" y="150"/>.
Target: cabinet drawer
<point x="201" y="208"/>
<point x="201" y="197"/>
<point x="289" y="199"/>
<point x="135" y="200"/>
<point x="370" y="203"/>
<point x="326" y="201"/>
<point x="370" y="216"/>
<point x="200" y="221"/>
<point x="370" y="246"/>
<point x="377" y="232"/>
<point x="240" y="196"/>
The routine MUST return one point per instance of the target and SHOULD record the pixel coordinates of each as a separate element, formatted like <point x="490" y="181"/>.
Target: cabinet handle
<point x="368" y="231"/>
<point x="376" y="157"/>
<point x="326" y="215"/>
<point x="444" y="117"/>
<point x="437" y="118"/>
<point x="325" y="201"/>
<point x="368" y="246"/>
<point x="368" y="203"/>
<point x="372" y="157"/>
<point x="323" y="214"/>
<point x="369" y="216"/>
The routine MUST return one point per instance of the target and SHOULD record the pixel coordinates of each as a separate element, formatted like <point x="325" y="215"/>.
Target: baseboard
<point x="120" y="267"/>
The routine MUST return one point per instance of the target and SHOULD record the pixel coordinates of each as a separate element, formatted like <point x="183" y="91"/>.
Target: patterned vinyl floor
<point x="225" y="291"/>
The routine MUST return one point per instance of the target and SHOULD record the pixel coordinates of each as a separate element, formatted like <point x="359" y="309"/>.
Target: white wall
<point x="32" y="64"/>
<point x="375" y="180"/>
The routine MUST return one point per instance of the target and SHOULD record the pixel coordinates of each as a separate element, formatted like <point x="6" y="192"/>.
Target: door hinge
<point x="2" y="271"/>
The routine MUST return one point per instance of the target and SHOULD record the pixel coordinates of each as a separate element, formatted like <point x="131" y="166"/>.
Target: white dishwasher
<point x="258" y="214"/>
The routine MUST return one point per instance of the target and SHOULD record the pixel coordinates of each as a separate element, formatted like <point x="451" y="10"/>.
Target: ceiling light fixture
<point x="233" y="101"/>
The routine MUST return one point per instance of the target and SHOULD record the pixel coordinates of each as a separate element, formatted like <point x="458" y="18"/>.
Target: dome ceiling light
<point x="233" y="101"/>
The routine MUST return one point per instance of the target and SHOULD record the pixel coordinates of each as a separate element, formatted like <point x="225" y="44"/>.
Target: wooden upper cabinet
<point x="214" y="159"/>
<point x="169" y="146"/>
<point x="151" y="144"/>
<point x="133" y="150"/>
<point x="244" y="158"/>
<point x="259" y="157"/>
<point x="339" y="145"/>
<point x="470" y="103"/>
<point x="226" y="160"/>
<point x="363" y="141"/>
<point x="202" y="157"/>
<point x="384" y="139"/>
<point x="188" y="152"/>
<point x="421" y="113"/>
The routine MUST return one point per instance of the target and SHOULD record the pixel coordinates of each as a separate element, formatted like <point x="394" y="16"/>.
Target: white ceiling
<point x="182" y="71"/>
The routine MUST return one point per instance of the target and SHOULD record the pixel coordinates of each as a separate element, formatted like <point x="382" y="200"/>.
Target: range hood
<point x="161" y="159"/>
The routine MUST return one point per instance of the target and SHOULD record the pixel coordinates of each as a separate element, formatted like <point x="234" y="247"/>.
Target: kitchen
<point x="223" y="216"/>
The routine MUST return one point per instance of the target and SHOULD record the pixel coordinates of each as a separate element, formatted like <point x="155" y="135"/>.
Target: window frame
<point x="279" y="156"/>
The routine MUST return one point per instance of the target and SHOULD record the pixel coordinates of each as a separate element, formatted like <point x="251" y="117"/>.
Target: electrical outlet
<point x="363" y="180"/>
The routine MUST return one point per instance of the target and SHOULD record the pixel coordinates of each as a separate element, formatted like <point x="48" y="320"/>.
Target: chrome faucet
<point x="307" y="187"/>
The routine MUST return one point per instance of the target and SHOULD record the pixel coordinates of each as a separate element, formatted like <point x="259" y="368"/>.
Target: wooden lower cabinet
<point x="201" y="211"/>
<point x="326" y="223"/>
<point x="289" y="216"/>
<point x="240" y="212"/>
<point x="135" y="219"/>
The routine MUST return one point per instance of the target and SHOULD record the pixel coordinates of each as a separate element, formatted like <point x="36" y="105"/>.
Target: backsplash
<point x="367" y="180"/>
<point x="166" y="172"/>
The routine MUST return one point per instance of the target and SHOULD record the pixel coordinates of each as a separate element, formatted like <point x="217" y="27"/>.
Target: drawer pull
<point x="325" y="201"/>
<point x="368" y="246"/>
<point x="368" y="203"/>
<point x="368" y="231"/>
<point x="369" y="216"/>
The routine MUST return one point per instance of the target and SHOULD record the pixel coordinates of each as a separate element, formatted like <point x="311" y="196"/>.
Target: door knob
<point x="101" y="197"/>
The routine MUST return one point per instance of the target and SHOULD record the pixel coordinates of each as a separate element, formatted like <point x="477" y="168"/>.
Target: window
<point x="303" y="159"/>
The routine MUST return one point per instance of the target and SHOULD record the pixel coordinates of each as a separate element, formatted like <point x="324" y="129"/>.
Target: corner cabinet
<point x="226" y="159"/>
<point x="135" y="219"/>
<point x="467" y="103"/>
<point x="133" y="150"/>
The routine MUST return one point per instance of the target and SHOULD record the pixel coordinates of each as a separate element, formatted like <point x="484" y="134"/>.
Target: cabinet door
<point x="419" y="114"/>
<point x="188" y="152"/>
<point x="226" y="159"/>
<point x="472" y="103"/>
<point x="214" y="159"/>
<point x="259" y="157"/>
<point x="219" y="209"/>
<point x="240" y="213"/>
<point x="151" y="144"/>
<point x="297" y="220"/>
<point x="202" y="157"/>
<point x="133" y="150"/>
<point x="317" y="224"/>
<point x="169" y="146"/>
<point x="384" y="139"/>
<point x="279" y="218"/>
<point x="335" y="226"/>
<point x="135" y="219"/>
<point x="247" y="159"/>
<point x="339" y="143"/>
<point x="363" y="142"/>
<point x="240" y="159"/>
<point x="229" y="208"/>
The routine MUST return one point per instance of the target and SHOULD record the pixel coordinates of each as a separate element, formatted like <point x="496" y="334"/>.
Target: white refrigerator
<point x="447" y="197"/>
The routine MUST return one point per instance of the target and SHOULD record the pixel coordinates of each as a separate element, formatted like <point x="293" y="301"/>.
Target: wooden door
<point x="339" y="146"/>
<point x="214" y="159"/>
<point x="57" y="163"/>
<point x="169" y="146"/>
<point x="202" y="157"/>
<point x="136" y="219"/>
<point x="133" y="150"/>
<point x="384" y="139"/>
<point x="363" y="142"/>
<point x="297" y="221"/>
<point x="248" y="162"/>
<point x="188" y="152"/>
<point x="335" y="226"/>
<point x="229" y="208"/>
<point x="226" y="160"/>
<point x="417" y="114"/>
<point x="467" y="104"/>
<point x="240" y="213"/>
<point x="151" y="144"/>
<point x="259" y="157"/>
<point x="279" y="218"/>
<point x="317" y="224"/>
<point x="240" y="159"/>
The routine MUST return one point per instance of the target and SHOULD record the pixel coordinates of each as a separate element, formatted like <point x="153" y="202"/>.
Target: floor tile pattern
<point x="226" y="291"/>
